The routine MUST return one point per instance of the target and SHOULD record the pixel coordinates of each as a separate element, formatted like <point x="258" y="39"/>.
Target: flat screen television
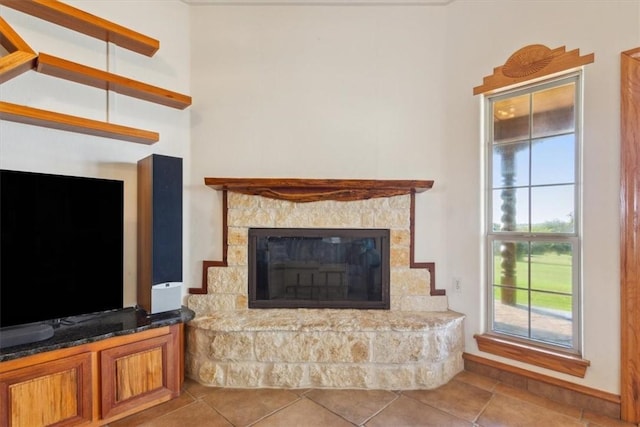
<point x="61" y="246"/>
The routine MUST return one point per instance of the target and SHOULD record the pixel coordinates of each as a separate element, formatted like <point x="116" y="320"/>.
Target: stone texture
<point x="339" y="376"/>
<point x="401" y="237"/>
<point x="237" y="236"/>
<point x="399" y="257"/>
<point x="325" y="348"/>
<point x="232" y="347"/>
<point x="285" y="375"/>
<point x="232" y="279"/>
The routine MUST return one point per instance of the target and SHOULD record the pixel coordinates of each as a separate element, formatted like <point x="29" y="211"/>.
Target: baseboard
<point x="588" y="398"/>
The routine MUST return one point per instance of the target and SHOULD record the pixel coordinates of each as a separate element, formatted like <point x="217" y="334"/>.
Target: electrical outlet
<point x="456" y="284"/>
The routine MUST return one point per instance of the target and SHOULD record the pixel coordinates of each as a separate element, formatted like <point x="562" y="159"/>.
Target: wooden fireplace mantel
<point x="313" y="190"/>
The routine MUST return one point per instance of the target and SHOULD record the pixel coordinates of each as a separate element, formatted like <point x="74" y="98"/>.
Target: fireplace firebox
<point x="318" y="268"/>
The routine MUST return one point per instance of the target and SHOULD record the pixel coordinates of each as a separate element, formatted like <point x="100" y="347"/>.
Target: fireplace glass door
<point x="318" y="268"/>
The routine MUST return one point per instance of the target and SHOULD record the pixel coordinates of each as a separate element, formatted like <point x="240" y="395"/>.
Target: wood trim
<point x="430" y="266"/>
<point x="630" y="234"/>
<point x="588" y="391"/>
<point x="50" y="119"/>
<point x="530" y="63"/>
<point x="21" y="57"/>
<point x="525" y="352"/>
<point x="203" y="289"/>
<point x="75" y="19"/>
<point x="313" y="190"/>
<point x="68" y="70"/>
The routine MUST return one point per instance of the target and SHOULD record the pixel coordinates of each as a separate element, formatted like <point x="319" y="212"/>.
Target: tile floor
<point x="468" y="400"/>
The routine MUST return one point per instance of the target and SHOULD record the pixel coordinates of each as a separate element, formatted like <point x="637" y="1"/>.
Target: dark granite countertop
<point x="77" y="330"/>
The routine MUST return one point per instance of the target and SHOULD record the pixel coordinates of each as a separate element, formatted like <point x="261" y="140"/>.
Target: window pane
<point x="553" y="111"/>
<point x="511" y="267"/>
<point x="511" y="119"/>
<point x="553" y="160"/>
<point x="552" y="209"/>
<point x="532" y="166"/>
<point x="551" y="267"/>
<point x="511" y="165"/>
<point x="511" y="209"/>
<point x="551" y="318"/>
<point x="511" y="318"/>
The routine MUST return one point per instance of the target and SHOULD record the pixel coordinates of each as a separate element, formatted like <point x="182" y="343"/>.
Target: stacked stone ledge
<point x="302" y="348"/>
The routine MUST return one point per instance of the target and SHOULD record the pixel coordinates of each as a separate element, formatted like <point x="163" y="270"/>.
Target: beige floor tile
<point x="409" y="412"/>
<point x="356" y="406"/>
<point x="479" y="381"/>
<point x="196" y="389"/>
<point x="305" y="413"/>
<point x="457" y="398"/>
<point x="140" y="418"/>
<point x="197" y="414"/>
<point x="245" y="406"/>
<point x="570" y="397"/>
<point x="469" y="399"/>
<point x="569" y="410"/>
<point x="597" y="420"/>
<point x="507" y="411"/>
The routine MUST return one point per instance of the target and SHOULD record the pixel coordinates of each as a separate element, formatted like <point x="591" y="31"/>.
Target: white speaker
<point x="166" y="297"/>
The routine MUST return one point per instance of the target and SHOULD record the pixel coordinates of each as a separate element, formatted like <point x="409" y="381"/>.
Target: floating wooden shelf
<point x="21" y="57"/>
<point x="68" y="70"/>
<point x="49" y="119"/>
<point x="75" y="19"/>
<point x="312" y="190"/>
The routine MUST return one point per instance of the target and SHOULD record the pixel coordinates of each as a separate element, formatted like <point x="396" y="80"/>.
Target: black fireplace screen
<point x="319" y="268"/>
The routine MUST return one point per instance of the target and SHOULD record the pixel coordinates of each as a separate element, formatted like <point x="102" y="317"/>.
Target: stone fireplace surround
<point x="416" y="344"/>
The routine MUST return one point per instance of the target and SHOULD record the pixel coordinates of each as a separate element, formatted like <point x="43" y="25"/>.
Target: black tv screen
<point x="61" y="246"/>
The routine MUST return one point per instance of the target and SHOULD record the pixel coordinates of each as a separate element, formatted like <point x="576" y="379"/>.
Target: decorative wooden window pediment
<point x="531" y="63"/>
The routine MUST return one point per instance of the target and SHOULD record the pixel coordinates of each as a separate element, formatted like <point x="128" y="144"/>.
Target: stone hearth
<point x="331" y="348"/>
<point x="418" y="343"/>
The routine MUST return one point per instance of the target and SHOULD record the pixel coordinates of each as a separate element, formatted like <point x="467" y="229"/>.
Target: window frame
<point x="574" y="238"/>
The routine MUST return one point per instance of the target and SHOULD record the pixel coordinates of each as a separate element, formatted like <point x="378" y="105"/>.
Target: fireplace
<point x="318" y="268"/>
<point x="415" y="343"/>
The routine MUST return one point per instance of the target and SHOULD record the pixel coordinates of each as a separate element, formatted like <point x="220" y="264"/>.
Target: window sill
<point x="524" y="352"/>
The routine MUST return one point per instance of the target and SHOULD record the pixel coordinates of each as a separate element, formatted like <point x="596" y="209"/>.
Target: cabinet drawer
<point x="138" y="373"/>
<point x="56" y="392"/>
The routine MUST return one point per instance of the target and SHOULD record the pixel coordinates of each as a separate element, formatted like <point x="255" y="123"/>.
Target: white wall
<point x="482" y="35"/>
<point x="317" y="92"/>
<point x="385" y="92"/>
<point x="24" y="147"/>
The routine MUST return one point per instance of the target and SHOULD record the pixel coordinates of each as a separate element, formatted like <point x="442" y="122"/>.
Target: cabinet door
<point x="139" y="374"/>
<point x="56" y="392"/>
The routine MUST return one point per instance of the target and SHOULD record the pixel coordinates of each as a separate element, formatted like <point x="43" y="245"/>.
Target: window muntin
<point x="533" y="212"/>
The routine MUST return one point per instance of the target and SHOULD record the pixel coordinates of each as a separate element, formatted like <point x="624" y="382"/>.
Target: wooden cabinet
<point x="92" y="384"/>
<point x="47" y="393"/>
<point x="140" y="373"/>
